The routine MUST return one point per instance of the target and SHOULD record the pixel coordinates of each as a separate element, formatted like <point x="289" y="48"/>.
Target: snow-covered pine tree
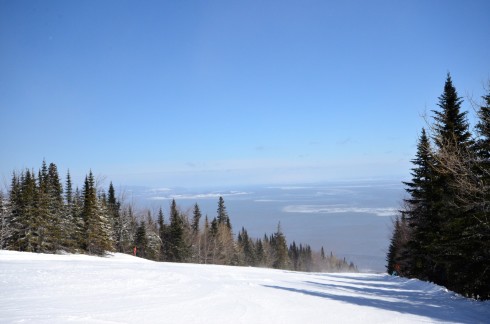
<point x="140" y="240"/>
<point x="6" y="229"/>
<point x="98" y="231"/>
<point x="68" y="223"/>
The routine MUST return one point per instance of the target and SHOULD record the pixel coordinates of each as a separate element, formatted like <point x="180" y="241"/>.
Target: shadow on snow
<point x="395" y="294"/>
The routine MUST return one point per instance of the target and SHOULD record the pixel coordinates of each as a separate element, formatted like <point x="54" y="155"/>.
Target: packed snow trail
<point x="43" y="288"/>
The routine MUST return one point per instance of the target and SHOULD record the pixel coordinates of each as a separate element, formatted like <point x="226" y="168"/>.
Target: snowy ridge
<point x="44" y="288"/>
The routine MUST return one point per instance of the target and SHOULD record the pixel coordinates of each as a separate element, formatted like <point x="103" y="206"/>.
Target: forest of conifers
<point x="443" y="232"/>
<point x="39" y="214"/>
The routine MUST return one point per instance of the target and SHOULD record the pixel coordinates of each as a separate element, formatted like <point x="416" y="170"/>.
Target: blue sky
<point x="211" y="93"/>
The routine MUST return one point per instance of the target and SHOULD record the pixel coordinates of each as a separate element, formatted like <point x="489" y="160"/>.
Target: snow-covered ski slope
<point x="43" y="288"/>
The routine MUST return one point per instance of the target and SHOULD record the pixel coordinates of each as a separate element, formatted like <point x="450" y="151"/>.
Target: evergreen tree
<point x="206" y="240"/>
<point x="6" y="229"/>
<point x="397" y="251"/>
<point x="15" y="219"/>
<point x="280" y="249"/>
<point x="97" y="227"/>
<point x="223" y="217"/>
<point x="58" y="225"/>
<point x="77" y="212"/>
<point x="477" y="283"/>
<point x="141" y="241"/>
<point x="196" y="239"/>
<point x="196" y="219"/>
<point x="451" y="126"/>
<point x="31" y="228"/>
<point x="69" y="226"/>
<point x="114" y="209"/>
<point x="177" y="251"/>
<point x="246" y="245"/>
<point x="453" y="140"/>
<point x="420" y="213"/>
<point x="153" y="239"/>
<point x="224" y="245"/>
<point x="162" y="234"/>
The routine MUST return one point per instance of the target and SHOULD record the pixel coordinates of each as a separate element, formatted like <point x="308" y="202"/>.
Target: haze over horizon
<point x="219" y="93"/>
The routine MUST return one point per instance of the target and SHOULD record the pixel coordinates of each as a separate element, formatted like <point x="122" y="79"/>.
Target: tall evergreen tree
<point x="77" y="212"/>
<point x="68" y="189"/>
<point x="196" y="218"/>
<point x="97" y="226"/>
<point x="196" y="237"/>
<point x="162" y="234"/>
<point x="223" y="217"/>
<point x="141" y="240"/>
<point x="280" y="249"/>
<point x="114" y="210"/>
<point x="397" y="251"/>
<point x="420" y="213"/>
<point x="32" y="229"/>
<point x="453" y="140"/>
<point x="451" y="126"/>
<point x="224" y="247"/>
<point x="177" y="250"/>
<point x="58" y="224"/>
<point x="6" y="229"/>
<point x="477" y="267"/>
<point x="15" y="218"/>
<point x="69" y="226"/>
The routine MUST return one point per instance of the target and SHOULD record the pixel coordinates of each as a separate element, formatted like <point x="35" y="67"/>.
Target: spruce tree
<point x="141" y="240"/>
<point x="196" y="219"/>
<point x="58" y="225"/>
<point x="6" y="229"/>
<point x="477" y="284"/>
<point x="77" y="212"/>
<point x="397" y="251"/>
<point x="280" y="249"/>
<point x="69" y="226"/>
<point x="453" y="141"/>
<point x="224" y="247"/>
<point x="420" y="213"/>
<point x="114" y="209"/>
<point x="162" y="234"/>
<point x="451" y="126"/>
<point x="196" y="239"/>
<point x="98" y="234"/>
<point x="15" y="220"/>
<point x="32" y="227"/>
<point x="223" y="217"/>
<point x="177" y="251"/>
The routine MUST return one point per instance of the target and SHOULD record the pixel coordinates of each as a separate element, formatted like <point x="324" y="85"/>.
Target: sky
<point x="214" y="93"/>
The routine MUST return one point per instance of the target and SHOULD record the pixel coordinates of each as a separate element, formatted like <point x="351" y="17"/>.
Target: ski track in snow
<point x="44" y="288"/>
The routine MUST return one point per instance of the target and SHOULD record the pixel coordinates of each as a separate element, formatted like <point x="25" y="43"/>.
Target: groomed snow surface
<point x="43" y="288"/>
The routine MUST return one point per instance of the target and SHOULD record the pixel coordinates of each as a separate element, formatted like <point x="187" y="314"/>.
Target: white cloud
<point x="335" y="209"/>
<point x="200" y="196"/>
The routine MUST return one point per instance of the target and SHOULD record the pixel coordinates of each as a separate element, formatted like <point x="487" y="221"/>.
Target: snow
<point x="45" y="288"/>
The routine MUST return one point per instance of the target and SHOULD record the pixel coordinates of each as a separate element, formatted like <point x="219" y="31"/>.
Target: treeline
<point x="39" y="214"/>
<point x="443" y="232"/>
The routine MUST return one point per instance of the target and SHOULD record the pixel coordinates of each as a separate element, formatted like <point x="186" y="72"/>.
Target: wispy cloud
<point x="290" y="187"/>
<point x="210" y="195"/>
<point x="159" y="189"/>
<point x="345" y="141"/>
<point x="335" y="209"/>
